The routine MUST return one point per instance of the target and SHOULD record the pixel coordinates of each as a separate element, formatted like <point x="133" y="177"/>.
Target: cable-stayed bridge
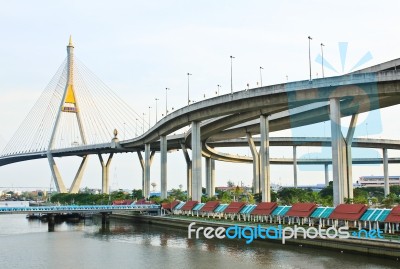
<point x="77" y="115"/>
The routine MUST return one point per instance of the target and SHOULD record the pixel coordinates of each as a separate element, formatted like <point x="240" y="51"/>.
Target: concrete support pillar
<point x="326" y="175"/>
<point x="188" y="171"/>
<point x="264" y="159"/>
<point x="51" y="222"/>
<point x="163" y="149"/>
<point x="294" y="167"/>
<point x="386" y="172"/>
<point x="105" y="182"/>
<point x="336" y="137"/>
<point x="349" y="164"/>
<point x="139" y="153"/>
<point x="256" y="164"/>
<point x="196" y="162"/>
<point x="344" y="169"/>
<point x="212" y="178"/>
<point x="142" y="164"/>
<point x="105" y="222"/>
<point x="208" y="176"/>
<point x="79" y="175"/>
<point x="59" y="183"/>
<point x="146" y="191"/>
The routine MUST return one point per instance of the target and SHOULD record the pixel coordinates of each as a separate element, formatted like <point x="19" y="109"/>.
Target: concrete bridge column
<point x="146" y="175"/>
<point x="349" y="160"/>
<point x="196" y="162"/>
<point x="79" y="175"/>
<point x="326" y="175"/>
<point x="142" y="164"/>
<point x="294" y="167"/>
<point x="386" y="172"/>
<point x="188" y="171"/>
<point x="345" y="181"/>
<point x="256" y="163"/>
<point x="336" y="136"/>
<point x="51" y="222"/>
<point x="105" y="173"/>
<point x="59" y="183"/>
<point x="208" y="176"/>
<point x="212" y="178"/>
<point x="264" y="159"/>
<point x="163" y="149"/>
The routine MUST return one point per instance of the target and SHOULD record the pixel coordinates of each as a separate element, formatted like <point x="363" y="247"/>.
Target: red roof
<point x="301" y="210"/>
<point x="122" y="202"/>
<point x="264" y="208"/>
<point x="394" y="215"/>
<point x="169" y="206"/>
<point x="210" y="206"/>
<point x="143" y="202"/>
<point x="189" y="205"/>
<point x="234" y="207"/>
<point x="348" y="211"/>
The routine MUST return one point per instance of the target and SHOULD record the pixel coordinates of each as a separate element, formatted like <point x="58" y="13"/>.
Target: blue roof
<point x="247" y="209"/>
<point x="281" y="210"/>
<point x="221" y="208"/>
<point x="375" y="214"/>
<point x="322" y="212"/>
<point x="179" y="206"/>
<point x="198" y="206"/>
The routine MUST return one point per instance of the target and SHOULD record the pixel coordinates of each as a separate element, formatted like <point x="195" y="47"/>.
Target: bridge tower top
<point x="69" y="103"/>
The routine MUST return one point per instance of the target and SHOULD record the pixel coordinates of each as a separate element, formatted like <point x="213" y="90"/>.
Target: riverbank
<point x="375" y="247"/>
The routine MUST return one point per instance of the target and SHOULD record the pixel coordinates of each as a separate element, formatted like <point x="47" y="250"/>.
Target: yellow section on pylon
<point x="70" y="96"/>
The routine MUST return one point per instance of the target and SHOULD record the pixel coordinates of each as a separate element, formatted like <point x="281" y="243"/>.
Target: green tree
<point x="178" y="194"/>
<point x="230" y="184"/>
<point x="137" y="194"/>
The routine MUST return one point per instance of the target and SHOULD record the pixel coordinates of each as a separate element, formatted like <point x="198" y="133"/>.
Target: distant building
<point x="377" y="181"/>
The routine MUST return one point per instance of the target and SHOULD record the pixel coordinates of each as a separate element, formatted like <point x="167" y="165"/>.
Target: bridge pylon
<point x="69" y="104"/>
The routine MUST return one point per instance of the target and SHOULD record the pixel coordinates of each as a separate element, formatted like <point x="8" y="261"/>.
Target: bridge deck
<point x="77" y="209"/>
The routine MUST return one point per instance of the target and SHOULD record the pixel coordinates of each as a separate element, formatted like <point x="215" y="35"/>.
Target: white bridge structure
<point x="77" y="115"/>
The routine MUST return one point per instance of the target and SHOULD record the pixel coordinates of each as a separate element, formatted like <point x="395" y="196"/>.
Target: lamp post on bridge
<point x="231" y="74"/>
<point x="124" y="129"/>
<point x="218" y="86"/>
<point x="322" y="52"/>
<point x="166" y="100"/>
<point x="188" y="75"/>
<point x="143" y="123"/>
<point x="137" y="120"/>
<point x="309" y="53"/>
<point x="261" y="68"/>
<point x="156" y="108"/>
<point x="149" y="116"/>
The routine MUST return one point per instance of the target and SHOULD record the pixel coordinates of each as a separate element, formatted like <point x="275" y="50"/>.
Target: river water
<point x="27" y="244"/>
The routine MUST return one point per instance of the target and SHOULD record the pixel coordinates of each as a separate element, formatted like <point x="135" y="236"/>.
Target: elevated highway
<point x="233" y="119"/>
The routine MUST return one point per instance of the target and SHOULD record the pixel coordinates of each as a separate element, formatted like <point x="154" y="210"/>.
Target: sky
<point x="138" y="48"/>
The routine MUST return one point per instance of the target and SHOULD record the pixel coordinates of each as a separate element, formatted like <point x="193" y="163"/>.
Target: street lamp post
<point x="124" y="129"/>
<point x="309" y="53"/>
<point x="231" y="74"/>
<point x="137" y="120"/>
<point x="149" y="116"/>
<point x="156" y="108"/>
<point x="188" y="74"/>
<point x="166" y="100"/>
<point x="143" y="123"/>
<point x="322" y="52"/>
<point x="261" y="68"/>
<point x="218" y="86"/>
